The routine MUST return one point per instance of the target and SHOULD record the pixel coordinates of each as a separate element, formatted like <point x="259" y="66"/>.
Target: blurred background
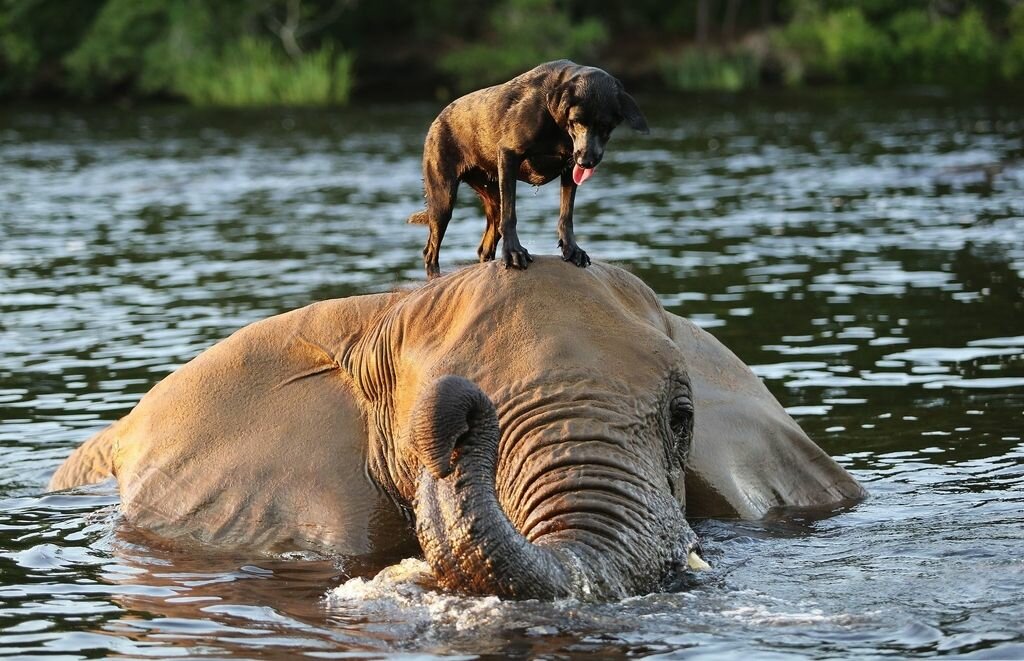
<point x="317" y="52"/>
<point x="834" y="189"/>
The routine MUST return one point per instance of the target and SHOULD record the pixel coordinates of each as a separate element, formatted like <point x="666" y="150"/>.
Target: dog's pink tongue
<point x="581" y="174"/>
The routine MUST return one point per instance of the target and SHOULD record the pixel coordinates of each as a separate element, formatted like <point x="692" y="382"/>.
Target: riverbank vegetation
<point x="317" y="52"/>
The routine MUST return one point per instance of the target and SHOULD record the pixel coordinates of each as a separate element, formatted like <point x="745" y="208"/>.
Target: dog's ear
<point x="560" y="100"/>
<point x="631" y="112"/>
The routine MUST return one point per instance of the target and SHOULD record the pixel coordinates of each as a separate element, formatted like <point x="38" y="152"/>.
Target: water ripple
<point x="863" y="255"/>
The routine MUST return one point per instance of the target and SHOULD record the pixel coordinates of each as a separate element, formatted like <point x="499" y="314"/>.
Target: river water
<point x="864" y="254"/>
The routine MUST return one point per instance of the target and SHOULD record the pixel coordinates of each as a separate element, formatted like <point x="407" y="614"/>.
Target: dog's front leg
<point x="512" y="252"/>
<point x="571" y="252"/>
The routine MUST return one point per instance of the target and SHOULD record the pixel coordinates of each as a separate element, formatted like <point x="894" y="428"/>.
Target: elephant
<point x="534" y="435"/>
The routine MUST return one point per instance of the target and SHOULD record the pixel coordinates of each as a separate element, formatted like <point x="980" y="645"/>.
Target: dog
<point x="552" y="121"/>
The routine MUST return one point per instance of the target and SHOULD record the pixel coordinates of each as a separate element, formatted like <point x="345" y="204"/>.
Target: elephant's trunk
<point x="470" y="542"/>
<point x="466" y="537"/>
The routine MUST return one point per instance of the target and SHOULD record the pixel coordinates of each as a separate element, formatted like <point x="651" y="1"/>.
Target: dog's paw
<point x="573" y="253"/>
<point x="517" y="258"/>
<point x="485" y="254"/>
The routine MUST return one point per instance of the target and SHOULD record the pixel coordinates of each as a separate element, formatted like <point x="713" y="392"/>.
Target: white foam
<point x="763" y="615"/>
<point x="409" y="594"/>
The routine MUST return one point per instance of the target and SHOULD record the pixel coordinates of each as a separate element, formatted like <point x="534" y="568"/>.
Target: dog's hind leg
<point x="441" y="189"/>
<point x="491" y="200"/>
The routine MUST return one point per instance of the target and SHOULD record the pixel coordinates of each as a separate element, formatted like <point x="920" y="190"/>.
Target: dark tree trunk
<point x="766" y="13"/>
<point x="703" y="22"/>
<point x="732" y="9"/>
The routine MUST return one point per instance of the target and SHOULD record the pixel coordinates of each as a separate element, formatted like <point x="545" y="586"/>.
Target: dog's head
<point x="589" y="104"/>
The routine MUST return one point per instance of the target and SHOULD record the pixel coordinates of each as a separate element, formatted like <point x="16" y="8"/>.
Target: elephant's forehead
<point x="550" y="284"/>
<point x="553" y="318"/>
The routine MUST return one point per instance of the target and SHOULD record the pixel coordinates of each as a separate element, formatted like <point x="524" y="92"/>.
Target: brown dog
<point x="551" y="121"/>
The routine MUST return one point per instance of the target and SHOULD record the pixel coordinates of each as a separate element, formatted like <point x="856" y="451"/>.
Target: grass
<point x="696" y="70"/>
<point x="252" y="73"/>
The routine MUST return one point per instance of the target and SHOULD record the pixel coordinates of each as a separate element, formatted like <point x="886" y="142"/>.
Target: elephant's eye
<point x="682" y="410"/>
<point x="682" y="422"/>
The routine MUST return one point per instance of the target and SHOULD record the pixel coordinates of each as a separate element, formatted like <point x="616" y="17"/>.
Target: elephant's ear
<point x="261" y="441"/>
<point x="748" y="454"/>
<point x="91" y="462"/>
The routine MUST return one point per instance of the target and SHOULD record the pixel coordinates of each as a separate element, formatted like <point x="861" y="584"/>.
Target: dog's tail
<point x="419" y="218"/>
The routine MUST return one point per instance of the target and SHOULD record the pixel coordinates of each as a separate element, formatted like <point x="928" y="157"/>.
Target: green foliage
<point x="913" y="45"/>
<point x="940" y="50"/>
<point x="252" y="73"/>
<point x="854" y="49"/>
<point x="118" y="45"/>
<point x="203" y="53"/>
<point x="35" y="35"/>
<point x="241" y="52"/>
<point x="841" y="45"/>
<point x="20" y="57"/>
<point x="525" y="33"/>
<point x="1013" y="53"/>
<point x="694" y="69"/>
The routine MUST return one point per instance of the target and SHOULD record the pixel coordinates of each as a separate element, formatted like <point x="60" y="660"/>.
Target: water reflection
<point x="863" y="255"/>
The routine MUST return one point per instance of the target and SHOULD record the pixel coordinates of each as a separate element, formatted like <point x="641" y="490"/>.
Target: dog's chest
<point x="539" y="170"/>
<point x="545" y="162"/>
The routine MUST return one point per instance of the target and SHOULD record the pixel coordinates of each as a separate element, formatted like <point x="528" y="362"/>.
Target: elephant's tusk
<point x="696" y="563"/>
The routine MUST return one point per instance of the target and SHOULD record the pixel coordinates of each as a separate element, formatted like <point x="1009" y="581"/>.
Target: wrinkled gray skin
<point x="528" y="448"/>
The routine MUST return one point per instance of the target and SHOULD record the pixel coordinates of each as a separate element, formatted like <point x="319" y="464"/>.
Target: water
<point x="865" y="255"/>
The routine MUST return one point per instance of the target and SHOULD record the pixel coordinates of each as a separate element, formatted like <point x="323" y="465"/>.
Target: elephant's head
<point x="535" y="427"/>
<point x="538" y="426"/>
